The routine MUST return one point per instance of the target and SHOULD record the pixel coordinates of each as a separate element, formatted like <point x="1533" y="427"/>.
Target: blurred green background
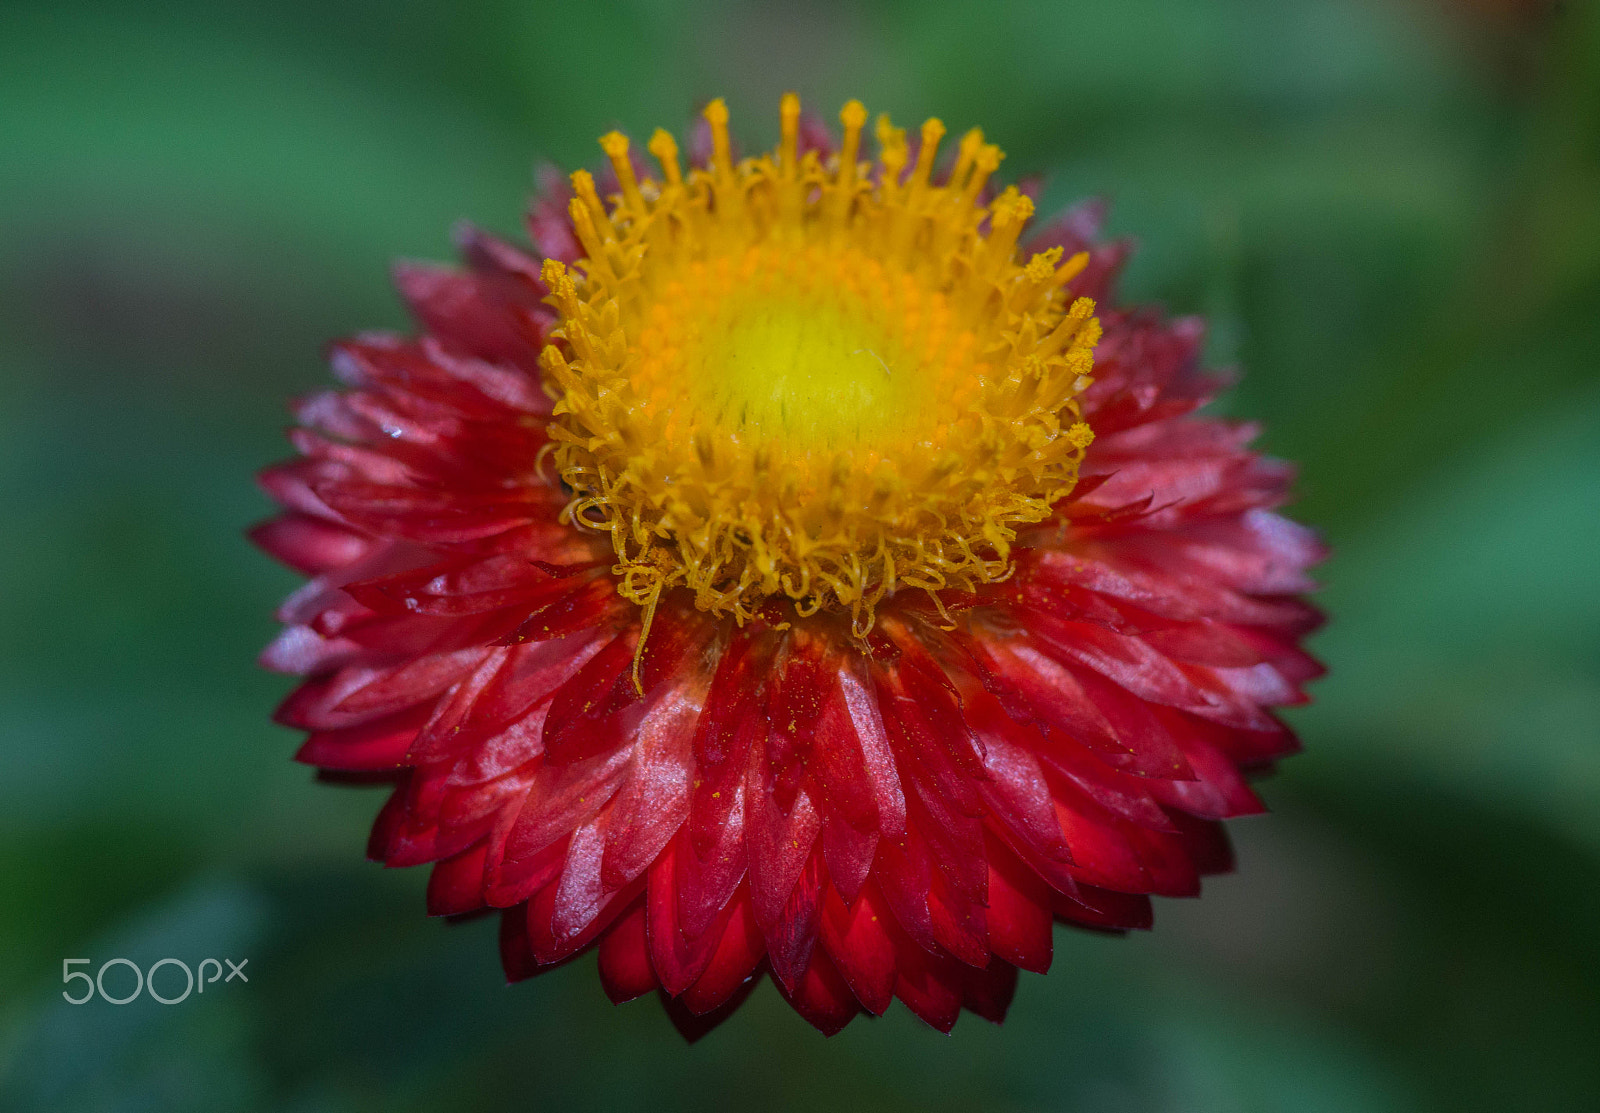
<point x="1390" y="211"/>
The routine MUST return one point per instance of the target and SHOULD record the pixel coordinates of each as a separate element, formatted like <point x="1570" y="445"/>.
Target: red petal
<point x="793" y="937"/>
<point x="1122" y="794"/>
<point x="1219" y="791"/>
<point x="1017" y="794"/>
<point x="625" y="971"/>
<point x="733" y="965"/>
<point x="706" y="882"/>
<point x="923" y="735"/>
<point x="988" y="992"/>
<point x="779" y="846"/>
<point x="470" y="586"/>
<point x="567" y="916"/>
<point x="424" y="516"/>
<point x="456" y="884"/>
<point x="1166" y="859"/>
<point x="582" y="892"/>
<point x="1101" y="848"/>
<point x="310" y="545"/>
<point x="583" y="720"/>
<point x="486" y="252"/>
<point x="560" y="799"/>
<point x="476" y="736"/>
<point x="1093" y="907"/>
<point x="905" y="874"/>
<point x="593" y="603"/>
<point x="731" y="725"/>
<point x="1126" y="661"/>
<point x="695" y="1026"/>
<point x="654" y="801"/>
<point x="931" y="986"/>
<point x="511" y="881"/>
<point x="549" y="227"/>
<point x="958" y="922"/>
<point x="822" y="996"/>
<point x="1204" y="643"/>
<point x="1018" y="919"/>
<point x="959" y="881"/>
<point x="484" y="315"/>
<point x="1151" y="750"/>
<point x="795" y="694"/>
<point x="849" y="854"/>
<point x="380" y="744"/>
<point x="857" y="938"/>
<point x="679" y="957"/>
<point x="1035" y="688"/>
<point x="356" y="695"/>
<point x="861" y="703"/>
<point x="836" y="770"/>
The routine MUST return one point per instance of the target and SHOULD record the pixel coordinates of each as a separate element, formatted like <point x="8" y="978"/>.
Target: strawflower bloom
<point x="795" y="566"/>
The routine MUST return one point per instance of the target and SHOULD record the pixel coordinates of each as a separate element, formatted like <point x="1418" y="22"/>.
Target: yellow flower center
<point x="812" y="379"/>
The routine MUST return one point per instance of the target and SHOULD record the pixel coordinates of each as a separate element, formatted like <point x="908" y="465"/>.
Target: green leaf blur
<point x="1388" y="209"/>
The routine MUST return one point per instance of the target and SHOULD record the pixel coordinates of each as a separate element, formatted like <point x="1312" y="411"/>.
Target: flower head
<point x="797" y="570"/>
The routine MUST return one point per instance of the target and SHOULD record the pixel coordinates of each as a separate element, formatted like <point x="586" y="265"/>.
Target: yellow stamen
<point x="783" y="379"/>
<point x="892" y="154"/>
<point x="985" y="162"/>
<point x="853" y="117"/>
<point x="932" y="132"/>
<point x="966" y="151"/>
<point x="789" y="116"/>
<point x="615" y="145"/>
<point x="583" y="186"/>
<point x="665" y="148"/>
<point x="716" y="114"/>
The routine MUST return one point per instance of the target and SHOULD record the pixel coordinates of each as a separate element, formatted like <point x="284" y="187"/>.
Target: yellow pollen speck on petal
<point x="808" y="378"/>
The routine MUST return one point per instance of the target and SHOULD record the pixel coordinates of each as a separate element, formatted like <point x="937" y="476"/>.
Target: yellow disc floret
<point x="813" y="379"/>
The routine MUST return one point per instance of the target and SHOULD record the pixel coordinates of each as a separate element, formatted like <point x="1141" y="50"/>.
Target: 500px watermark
<point x="145" y="980"/>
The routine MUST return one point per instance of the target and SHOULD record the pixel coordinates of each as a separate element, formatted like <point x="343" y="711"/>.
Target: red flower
<point x="789" y="622"/>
